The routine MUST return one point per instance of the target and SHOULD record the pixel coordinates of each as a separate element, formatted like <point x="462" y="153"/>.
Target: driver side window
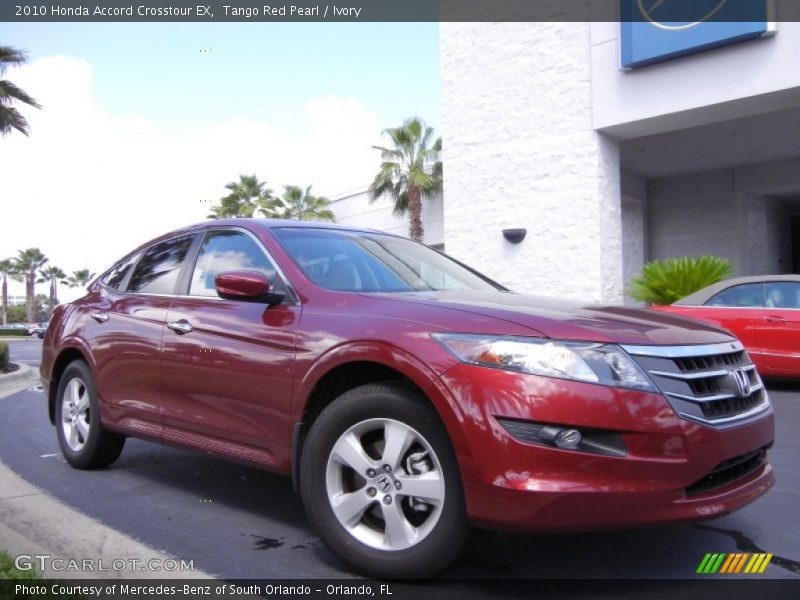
<point x="224" y="251"/>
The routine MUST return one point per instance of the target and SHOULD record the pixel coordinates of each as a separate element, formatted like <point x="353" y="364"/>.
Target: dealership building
<point x="612" y="145"/>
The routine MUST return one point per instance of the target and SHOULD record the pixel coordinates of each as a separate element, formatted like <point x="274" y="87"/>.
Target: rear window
<point x="116" y="276"/>
<point x="158" y="271"/>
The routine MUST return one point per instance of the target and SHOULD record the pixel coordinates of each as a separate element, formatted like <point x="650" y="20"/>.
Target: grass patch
<point x="9" y="571"/>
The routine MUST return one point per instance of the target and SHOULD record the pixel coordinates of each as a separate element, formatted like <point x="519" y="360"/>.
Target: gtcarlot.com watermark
<point x="46" y="562"/>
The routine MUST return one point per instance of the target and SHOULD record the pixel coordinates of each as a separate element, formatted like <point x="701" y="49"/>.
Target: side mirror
<point x="251" y="286"/>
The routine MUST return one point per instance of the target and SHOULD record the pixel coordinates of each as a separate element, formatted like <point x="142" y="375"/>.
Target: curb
<point x="20" y="379"/>
<point x="33" y="524"/>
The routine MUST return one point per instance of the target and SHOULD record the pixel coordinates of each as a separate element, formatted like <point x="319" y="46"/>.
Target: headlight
<point x="605" y="364"/>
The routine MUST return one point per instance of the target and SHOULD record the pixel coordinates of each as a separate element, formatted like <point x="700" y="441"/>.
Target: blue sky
<point x="183" y="74"/>
<point x="144" y="124"/>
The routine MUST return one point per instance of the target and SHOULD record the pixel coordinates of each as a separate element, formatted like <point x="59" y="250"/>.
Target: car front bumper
<point x="518" y="485"/>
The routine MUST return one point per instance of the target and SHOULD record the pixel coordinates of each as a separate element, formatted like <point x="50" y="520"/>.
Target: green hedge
<point x="5" y="331"/>
<point x="3" y="355"/>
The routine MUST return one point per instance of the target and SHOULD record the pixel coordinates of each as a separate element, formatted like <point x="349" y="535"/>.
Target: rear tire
<point x="84" y="442"/>
<point x="381" y="485"/>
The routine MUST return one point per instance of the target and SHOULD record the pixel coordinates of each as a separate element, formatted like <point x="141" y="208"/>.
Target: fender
<point x="46" y="369"/>
<point x="381" y="353"/>
<point x="449" y="410"/>
<point x="75" y="343"/>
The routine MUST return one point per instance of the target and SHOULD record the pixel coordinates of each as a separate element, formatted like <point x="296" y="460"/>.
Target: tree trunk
<point x="415" y="231"/>
<point x="30" y="296"/>
<point x="52" y="295"/>
<point x="5" y="300"/>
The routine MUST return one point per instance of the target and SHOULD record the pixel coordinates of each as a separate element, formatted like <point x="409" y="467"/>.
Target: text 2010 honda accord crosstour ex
<point x="408" y="396"/>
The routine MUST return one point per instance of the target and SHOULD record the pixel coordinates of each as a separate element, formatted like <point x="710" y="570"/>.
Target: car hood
<point x="564" y="319"/>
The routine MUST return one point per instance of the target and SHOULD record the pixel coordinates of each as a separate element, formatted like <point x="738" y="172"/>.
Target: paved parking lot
<point x="238" y="522"/>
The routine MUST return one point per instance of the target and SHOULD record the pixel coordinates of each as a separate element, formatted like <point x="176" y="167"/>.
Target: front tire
<point x="84" y="442"/>
<point x="381" y="485"/>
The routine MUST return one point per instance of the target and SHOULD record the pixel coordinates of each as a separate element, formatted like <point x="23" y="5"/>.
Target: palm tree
<point x="79" y="278"/>
<point x="7" y="270"/>
<point x="40" y="302"/>
<point x="246" y="197"/>
<point x="10" y="117"/>
<point x="410" y="172"/>
<point x="52" y="275"/>
<point x="27" y="263"/>
<point x="300" y="204"/>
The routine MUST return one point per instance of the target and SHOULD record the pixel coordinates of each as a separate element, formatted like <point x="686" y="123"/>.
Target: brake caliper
<point x="418" y="463"/>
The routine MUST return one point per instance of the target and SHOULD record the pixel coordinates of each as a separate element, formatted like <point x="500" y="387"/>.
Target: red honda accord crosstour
<point x="407" y="395"/>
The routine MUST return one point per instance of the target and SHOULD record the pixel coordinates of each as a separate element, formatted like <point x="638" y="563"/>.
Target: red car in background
<point x="763" y="312"/>
<point x="407" y="395"/>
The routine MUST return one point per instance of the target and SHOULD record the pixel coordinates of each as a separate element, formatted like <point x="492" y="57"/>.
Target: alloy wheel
<point x="75" y="414"/>
<point x="385" y="484"/>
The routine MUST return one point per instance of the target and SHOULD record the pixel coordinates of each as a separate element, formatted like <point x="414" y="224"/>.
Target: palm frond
<point x="301" y="204"/>
<point x="667" y="281"/>
<point x="401" y="204"/>
<point x="9" y="92"/>
<point x="11" y="118"/>
<point x="10" y="56"/>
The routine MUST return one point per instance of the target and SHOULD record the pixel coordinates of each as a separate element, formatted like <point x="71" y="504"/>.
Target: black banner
<point x="729" y="588"/>
<point x="689" y="11"/>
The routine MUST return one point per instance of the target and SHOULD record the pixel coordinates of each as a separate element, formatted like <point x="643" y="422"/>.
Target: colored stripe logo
<point x="731" y="564"/>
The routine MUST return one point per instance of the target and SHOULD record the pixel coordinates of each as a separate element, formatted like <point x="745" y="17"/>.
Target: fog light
<point x="568" y="438"/>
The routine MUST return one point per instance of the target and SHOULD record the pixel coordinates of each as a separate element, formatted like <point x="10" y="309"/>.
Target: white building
<point x="607" y="168"/>
<point x="354" y="208"/>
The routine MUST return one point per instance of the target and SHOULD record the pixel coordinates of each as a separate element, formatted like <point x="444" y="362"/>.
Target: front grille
<point x="704" y="387"/>
<point x="729" y="471"/>
<point x="705" y="363"/>
<point x="700" y="382"/>
<point x="718" y="409"/>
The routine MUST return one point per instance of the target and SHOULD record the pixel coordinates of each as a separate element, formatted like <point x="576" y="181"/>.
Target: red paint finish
<point x="548" y="489"/>
<point x="233" y="377"/>
<point x="125" y="350"/>
<point x="230" y="378"/>
<point x="770" y="335"/>
<point x="241" y="284"/>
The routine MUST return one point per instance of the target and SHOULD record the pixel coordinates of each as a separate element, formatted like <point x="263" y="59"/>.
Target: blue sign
<point x="653" y="31"/>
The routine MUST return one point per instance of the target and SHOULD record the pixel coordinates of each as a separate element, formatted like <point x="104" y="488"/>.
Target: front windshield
<point x="355" y="261"/>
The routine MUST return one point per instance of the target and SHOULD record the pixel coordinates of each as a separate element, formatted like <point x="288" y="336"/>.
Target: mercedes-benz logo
<point x="743" y="383"/>
<point x="384" y="483"/>
<point x="654" y="11"/>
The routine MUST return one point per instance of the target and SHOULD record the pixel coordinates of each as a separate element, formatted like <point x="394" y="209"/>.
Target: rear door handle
<point x="100" y="317"/>
<point x="180" y="326"/>
<point x="775" y="320"/>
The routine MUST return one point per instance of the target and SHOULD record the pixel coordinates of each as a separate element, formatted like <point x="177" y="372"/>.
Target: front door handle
<point x="775" y="320"/>
<point x="100" y="317"/>
<point x="180" y="326"/>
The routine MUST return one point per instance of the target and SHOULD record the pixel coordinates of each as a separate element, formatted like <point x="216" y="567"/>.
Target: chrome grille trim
<point x="699" y="381"/>
<point x="764" y="406"/>
<point x="684" y="351"/>
<point x="756" y="387"/>
<point x="689" y="376"/>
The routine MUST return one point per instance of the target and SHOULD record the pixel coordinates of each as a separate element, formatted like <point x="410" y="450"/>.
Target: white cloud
<point x="88" y="185"/>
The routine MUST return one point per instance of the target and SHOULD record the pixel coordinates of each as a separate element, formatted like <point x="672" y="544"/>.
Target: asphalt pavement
<point x="238" y="522"/>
